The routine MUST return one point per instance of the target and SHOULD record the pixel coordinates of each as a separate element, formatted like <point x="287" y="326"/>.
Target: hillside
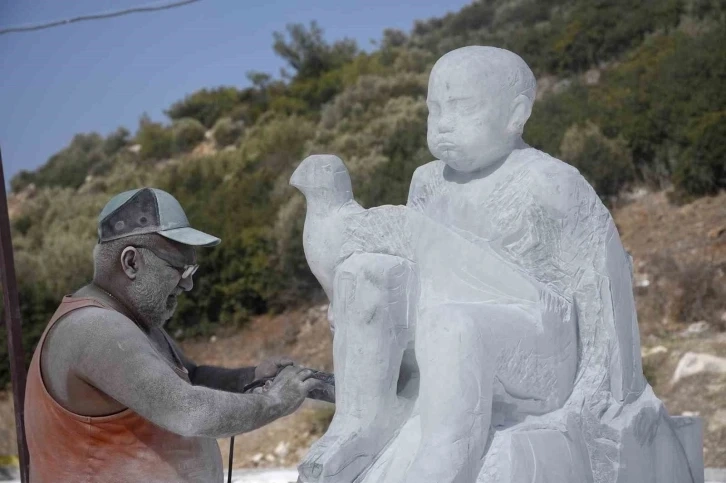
<point x="629" y="93"/>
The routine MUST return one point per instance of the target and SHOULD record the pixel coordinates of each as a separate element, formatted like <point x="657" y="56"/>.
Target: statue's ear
<point x="519" y="113"/>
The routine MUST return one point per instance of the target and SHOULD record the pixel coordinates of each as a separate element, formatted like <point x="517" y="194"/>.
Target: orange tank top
<point x="120" y="448"/>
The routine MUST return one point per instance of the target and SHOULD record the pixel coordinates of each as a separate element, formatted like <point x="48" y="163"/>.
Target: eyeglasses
<point x="186" y="270"/>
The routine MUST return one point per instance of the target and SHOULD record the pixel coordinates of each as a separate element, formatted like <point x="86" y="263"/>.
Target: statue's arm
<point x="111" y="354"/>
<point x="215" y="377"/>
<point x="418" y="191"/>
<point x="591" y="241"/>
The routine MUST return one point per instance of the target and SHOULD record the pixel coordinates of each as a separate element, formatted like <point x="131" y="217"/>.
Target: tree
<point x="206" y="105"/>
<point x="308" y="53"/>
<point x="188" y="133"/>
<point x="157" y="141"/>
<point x="116" y="141"/>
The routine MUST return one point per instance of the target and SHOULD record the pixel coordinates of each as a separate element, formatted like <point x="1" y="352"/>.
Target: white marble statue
<point x="486" y="331"/>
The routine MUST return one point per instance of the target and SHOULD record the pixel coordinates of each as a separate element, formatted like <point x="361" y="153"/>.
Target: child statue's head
<point x="479" y="99"/>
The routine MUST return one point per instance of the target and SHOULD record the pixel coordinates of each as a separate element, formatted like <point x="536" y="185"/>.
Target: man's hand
<point x="290" y="388"/>
<point x="271" y="367"/>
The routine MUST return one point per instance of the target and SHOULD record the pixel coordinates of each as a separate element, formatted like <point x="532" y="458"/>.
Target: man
<point x="110" y="397"/>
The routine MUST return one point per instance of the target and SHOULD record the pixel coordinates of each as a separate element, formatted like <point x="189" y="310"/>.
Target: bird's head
<point x="323" y="173"/>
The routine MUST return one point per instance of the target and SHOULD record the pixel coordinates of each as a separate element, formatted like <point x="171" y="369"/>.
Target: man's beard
<point x="153" y="302"/>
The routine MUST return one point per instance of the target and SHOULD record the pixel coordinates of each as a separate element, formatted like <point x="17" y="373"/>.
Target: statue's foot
<point x="339" y="461"/>
<point x="347" y="449"/>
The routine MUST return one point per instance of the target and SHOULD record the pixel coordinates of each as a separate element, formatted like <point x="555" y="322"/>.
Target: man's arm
<point x="114" y="356"/>
<point x="222" y="378"/>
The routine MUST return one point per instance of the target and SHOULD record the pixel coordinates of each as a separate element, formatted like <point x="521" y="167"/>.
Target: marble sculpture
<point x="486" y="331"/>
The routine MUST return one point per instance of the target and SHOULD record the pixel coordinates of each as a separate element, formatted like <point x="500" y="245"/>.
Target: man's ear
<point x="130" y="262"/>
<point x="519" y="110"/>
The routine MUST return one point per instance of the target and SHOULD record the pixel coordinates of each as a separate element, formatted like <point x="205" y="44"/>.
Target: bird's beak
<point x="296" y="179"/>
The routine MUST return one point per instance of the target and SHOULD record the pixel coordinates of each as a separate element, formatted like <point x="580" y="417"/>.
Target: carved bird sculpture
<point x="336" y="226"/>
<point x="324" y="181"/>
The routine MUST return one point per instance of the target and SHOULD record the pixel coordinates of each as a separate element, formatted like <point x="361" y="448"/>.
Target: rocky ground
<point x="680" y="282"/>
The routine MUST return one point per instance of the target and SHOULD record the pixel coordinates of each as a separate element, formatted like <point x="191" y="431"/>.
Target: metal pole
<point x="12" y="323"/>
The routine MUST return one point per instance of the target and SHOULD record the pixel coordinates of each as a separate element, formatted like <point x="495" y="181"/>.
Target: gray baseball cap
<point x="149" y="210"/>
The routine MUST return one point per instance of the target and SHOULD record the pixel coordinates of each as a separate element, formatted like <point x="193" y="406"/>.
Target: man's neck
<point x="116" y="302"/>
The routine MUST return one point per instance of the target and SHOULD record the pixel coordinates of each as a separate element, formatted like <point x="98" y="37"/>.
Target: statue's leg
<point x="473" y="357"/>
<point x="373" y="330"/>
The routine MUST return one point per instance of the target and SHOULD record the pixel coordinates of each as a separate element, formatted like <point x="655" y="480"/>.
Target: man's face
<point x="467" y="118"/>
<point x="159" y="283"/>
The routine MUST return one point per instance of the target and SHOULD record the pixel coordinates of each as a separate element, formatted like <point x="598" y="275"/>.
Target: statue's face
<point x="467" y="118"/>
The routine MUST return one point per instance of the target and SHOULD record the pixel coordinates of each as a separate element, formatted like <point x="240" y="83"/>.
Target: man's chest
<point x="162" y="345"/>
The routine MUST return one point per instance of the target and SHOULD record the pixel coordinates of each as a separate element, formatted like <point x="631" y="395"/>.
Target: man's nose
<point x="187" y="283"/>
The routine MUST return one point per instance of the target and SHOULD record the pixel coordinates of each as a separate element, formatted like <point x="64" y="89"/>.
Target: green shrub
<point x="69" y="167"/>
<point x="157" y="141"/>
<point x="116" y="141"/>
<point x="605" y="163"/>
<point x="188" y="133"/>
<point x="227" y="132"/>
<point x="405" y="148"/>
<point x="701" y="168"/>
<point x="206" y="105"/>
<point x="22" y="179"/>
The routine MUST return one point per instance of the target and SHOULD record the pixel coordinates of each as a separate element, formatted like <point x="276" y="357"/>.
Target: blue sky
<point x="101" y="74"/>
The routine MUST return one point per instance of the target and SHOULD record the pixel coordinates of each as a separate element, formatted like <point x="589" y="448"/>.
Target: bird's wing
<point x="384" y="229"/>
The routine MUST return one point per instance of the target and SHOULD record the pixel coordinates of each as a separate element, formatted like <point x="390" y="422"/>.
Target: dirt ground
<point x="679" y="261"/>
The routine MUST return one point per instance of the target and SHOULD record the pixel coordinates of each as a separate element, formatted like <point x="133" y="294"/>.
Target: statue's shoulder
<point x="425" y="180"/>
<point x="555" y="183"/>
<point x="428" y="173"/>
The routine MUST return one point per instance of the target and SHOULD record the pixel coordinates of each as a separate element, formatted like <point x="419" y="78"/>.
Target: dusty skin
<point x="486" y="331"/>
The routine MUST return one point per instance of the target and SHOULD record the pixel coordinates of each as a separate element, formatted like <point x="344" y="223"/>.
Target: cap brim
<point x="190" y="236"/>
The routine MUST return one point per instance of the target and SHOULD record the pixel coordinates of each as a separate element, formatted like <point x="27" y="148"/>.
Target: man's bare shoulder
<point x="90" y="330"/>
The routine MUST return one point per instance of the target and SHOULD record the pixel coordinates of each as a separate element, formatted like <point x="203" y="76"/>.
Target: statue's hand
<point x="271" y="367"/>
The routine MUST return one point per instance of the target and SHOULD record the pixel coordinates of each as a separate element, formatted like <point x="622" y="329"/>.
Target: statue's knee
<point x="481" y="326"/>
<point x="372" y="286"/>
<point x="376" y="272"/>
<point x="447" y="322"/>
<point x="374" y="266"/>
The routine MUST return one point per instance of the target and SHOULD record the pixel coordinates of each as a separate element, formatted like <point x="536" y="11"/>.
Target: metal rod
<point x="12" y="323"/>
<point x="231" y="458"/>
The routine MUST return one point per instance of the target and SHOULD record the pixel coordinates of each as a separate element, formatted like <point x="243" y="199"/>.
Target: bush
<point x="701" y="169"/>
<point x="206" y="105"/>
<point x="406" y="149"/>
<point x="69" y="167"/>
<point x="605" y="163"/>
<point x="227" y="132"/>
<point x="188" y="133"/>
<point x="157" y="141"/>
<point x="116" y="141"/>
<point x="22" y="179"/>
<point x="553" y="115"/>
